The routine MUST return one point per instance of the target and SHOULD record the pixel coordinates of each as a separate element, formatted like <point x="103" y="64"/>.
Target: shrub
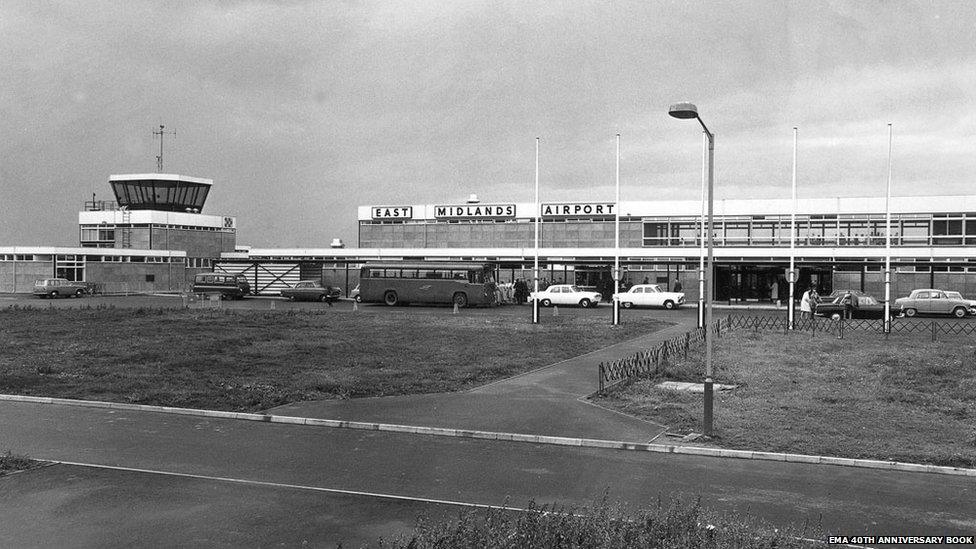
<point x="601" y="526"/>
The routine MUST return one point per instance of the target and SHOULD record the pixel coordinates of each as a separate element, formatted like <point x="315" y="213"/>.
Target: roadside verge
<point x="509" y="437"/>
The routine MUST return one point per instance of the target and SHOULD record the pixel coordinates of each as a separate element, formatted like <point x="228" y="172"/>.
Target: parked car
<point x="936" y="302"/>
<point x="840" y="293"/>
<point x="566" y="294"/>
<point x="852" y="306"/>
<point x="312" y="290"/>
<point x="957" y="295"/>
<point x="59" y="287"/>
<point x="355" y="294"/>
<point x="650" y="295"/>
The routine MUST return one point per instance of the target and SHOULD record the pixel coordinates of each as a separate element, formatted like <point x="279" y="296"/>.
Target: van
<point x="229" y="286"/>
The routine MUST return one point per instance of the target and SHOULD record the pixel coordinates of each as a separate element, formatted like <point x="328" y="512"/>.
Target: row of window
<point x="81" y="259"/>
<point x="199" y="262"/>
<point x="149" y="193"/>
<point x="833" y="232"/>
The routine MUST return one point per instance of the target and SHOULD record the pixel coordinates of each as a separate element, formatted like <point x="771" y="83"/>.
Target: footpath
<point x="547" y="401"/>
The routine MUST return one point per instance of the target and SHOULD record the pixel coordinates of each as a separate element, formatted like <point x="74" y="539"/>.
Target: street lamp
<point x="687" y="111"/>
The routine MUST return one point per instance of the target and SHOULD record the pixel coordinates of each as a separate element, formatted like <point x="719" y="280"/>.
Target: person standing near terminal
<point x="774" y="292"/>
<point x="521" y="291"/>
<point x="677" y="285"/>
<point x="806" y="310"/>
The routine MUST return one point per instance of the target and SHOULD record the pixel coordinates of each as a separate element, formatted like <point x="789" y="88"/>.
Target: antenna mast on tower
<point x="159" y="159"/>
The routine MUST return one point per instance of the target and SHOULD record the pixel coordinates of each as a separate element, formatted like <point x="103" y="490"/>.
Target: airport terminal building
<point x="840" y="243"/>
<point x="154" y="237"/>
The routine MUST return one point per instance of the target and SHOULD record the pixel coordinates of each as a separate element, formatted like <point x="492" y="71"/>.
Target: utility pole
<point x="159" y="159"/>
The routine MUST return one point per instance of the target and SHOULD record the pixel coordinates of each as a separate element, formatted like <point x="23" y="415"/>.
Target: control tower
<point x="158" y="212"/>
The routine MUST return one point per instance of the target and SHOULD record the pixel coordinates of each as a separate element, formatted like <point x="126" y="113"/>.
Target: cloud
<point x="302" y="110"/>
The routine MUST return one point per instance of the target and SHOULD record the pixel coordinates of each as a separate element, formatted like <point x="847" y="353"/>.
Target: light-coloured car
<point x="566" y="294"/>
<point x="355" y="294"/>
<point x="957" y="295"/>
<point x="59" y="287"/>
<point x="933" y="302"/>
<point x="650" y="295"/>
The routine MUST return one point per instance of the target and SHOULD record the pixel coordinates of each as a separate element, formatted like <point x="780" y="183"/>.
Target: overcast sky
<point x="301" y="111"/>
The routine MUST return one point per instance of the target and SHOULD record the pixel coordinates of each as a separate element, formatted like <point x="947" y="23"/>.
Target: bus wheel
<point x="390" y="298"/>
<point x="460" y="299"/>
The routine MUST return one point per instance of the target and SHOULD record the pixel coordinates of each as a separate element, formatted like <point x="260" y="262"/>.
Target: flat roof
<point x="159" y="177"/>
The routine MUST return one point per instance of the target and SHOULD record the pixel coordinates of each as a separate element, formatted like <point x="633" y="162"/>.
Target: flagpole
<point x="701" y="254"/>
<point x="538" y="212"/>
<point x="791" y="314"/>
<point x="887" y="279"/>
<point x="616" y="243"/>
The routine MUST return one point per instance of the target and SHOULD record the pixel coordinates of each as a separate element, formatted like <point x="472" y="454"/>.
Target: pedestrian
<point x="677" y="284"/>
<point x="814" y="300"/>
<point x="848" y="303"/>
<point x="774" y="292"/>
<point x="646" y="280"/>
<point x="805" y="309"/>
<point x="521" y="291"/>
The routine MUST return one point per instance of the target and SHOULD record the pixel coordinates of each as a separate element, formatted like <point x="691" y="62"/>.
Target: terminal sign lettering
<point x="580" y="209"/>
<point x="475" y="211"/>
<point x="392" y="212"/>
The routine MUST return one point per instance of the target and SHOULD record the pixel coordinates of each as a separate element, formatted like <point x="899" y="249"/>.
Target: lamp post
<point x="701" y="239"/>
<point x="686" y="111"/>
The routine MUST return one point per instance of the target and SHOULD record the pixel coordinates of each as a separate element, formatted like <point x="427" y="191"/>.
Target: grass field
<point x="906" y="399"/>
<point x="252" y="360"/>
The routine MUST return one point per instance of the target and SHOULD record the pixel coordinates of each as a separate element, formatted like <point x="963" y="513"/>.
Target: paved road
<point x="845" y="500"/>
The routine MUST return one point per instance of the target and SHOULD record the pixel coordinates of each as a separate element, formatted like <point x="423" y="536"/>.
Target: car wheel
<point x="460" y="299"/>
<point x="546" y="303"/>
<point x="959" y="312"/>
<point x="53" y="294"/>
<point x="835" y="316"/>
<point x="390" y="298"/>
<point x="910" y="312"/>
<point x="81" y="292"/>
<point x="290" y="298"/>
<point x="324" y="297"/>
<point x="585" y="303"/>
<point x="669" y="304"/>
<point x="359" y="299"/>
<point x="627" y="304"/>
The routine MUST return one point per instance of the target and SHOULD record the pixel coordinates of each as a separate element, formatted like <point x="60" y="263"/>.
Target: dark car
<point x="312" y="290"/>
<point x="840" y="293"/>
<point x="851" y="305"/>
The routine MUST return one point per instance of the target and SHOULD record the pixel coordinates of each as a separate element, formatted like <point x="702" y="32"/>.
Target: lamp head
<point x="683" y="110"/>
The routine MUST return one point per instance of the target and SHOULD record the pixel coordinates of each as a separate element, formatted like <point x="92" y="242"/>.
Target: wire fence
<point x="650" y="362"/>
<point x="838" y="328"/>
